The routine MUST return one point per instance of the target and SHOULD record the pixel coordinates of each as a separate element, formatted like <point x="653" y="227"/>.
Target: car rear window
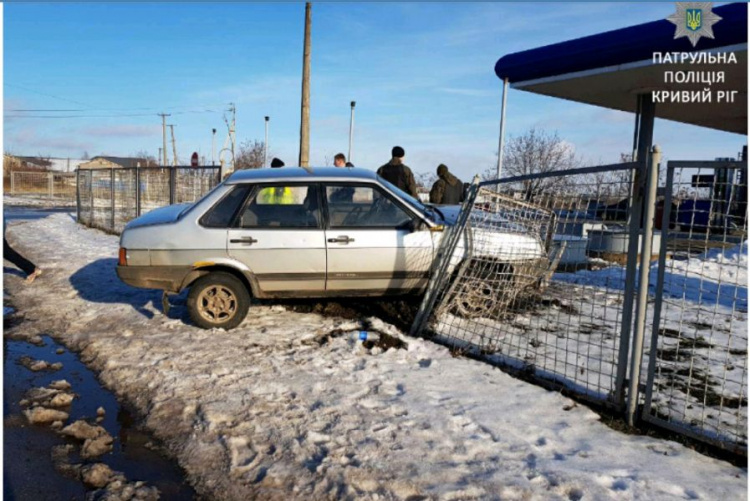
<point x="222" y="214"/>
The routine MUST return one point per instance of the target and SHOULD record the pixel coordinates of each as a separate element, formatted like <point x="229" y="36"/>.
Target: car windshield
<point x="410" y="200"/>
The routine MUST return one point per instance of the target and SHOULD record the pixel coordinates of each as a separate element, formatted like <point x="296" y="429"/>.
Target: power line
<point x="109" y="116"/>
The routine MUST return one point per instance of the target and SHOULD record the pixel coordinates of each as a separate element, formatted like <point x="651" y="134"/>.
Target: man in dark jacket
<point x="398" y="174"/>
<point x="448" y="189"/>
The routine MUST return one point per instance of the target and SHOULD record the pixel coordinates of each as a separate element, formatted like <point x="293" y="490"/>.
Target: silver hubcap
<point x="217" y="304"/>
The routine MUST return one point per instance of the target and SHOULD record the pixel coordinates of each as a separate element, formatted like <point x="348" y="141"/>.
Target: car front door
<point x="279" y="235"/>
<point x="374" y="245"/>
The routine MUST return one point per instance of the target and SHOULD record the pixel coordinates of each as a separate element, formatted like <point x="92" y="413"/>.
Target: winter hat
<point x="398" y="152"/>
<point x="276" y="162"/>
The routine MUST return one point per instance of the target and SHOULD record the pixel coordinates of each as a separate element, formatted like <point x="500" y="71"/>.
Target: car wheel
<point x="218" y="299"/>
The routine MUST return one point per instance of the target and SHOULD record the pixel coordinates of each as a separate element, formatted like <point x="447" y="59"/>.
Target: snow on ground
<point x="37" y="201"/>
<point x="574" y="337"/>
<point x="278" y="409"/>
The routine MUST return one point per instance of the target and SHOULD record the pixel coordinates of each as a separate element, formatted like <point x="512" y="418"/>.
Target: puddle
<point x="29" y="472"/>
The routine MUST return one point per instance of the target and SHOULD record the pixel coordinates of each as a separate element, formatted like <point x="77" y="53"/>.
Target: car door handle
<point x="340" y="240"/>
<point x="243" y="240"/>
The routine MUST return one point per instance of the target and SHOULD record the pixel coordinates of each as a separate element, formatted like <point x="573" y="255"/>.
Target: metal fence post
<point x="112" y="199"/>
<point x="172" y="183"/>
<point x="137" y="191"/>
<point x="445" y="252"/>
<point x="659" y="289"/>
<point x="91" y="197"/>
<point x="635" y="204"/>
<point x="652" y="173"/>
<point x="78" y="196"/>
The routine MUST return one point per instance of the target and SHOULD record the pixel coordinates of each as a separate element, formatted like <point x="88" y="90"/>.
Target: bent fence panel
<point x="697" y="362"/>
<point x="536" y="279"/>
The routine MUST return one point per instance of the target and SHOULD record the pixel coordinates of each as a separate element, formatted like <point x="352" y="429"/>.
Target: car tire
<point x="218" y="300"/>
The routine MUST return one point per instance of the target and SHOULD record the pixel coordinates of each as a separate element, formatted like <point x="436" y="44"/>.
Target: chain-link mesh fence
<point x="109" y="198"/>
<point x="56" y="185"/>
<point x="697" y="378"/>
<point x="537" y="279"/>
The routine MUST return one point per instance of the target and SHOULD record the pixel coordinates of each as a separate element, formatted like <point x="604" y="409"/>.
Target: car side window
<point x="363" y="207"/>
<point x="280" y="206"/>
<point x="222" y="214"/>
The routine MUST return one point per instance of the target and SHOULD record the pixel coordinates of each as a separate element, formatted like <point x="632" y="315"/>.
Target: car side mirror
<point x="416" y="225"/>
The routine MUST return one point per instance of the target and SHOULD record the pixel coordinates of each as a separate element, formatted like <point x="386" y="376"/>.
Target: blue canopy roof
<point x="626" y="45"/>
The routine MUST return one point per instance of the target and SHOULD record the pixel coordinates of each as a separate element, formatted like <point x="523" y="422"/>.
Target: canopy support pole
<point x="502" y="132"/>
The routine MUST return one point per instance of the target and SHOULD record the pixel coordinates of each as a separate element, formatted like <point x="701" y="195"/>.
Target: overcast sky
<point x="422" y="75"/>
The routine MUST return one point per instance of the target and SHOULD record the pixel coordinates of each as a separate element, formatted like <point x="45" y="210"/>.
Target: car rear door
<point x="370" y="243"/>
<point x="279" y="235"/>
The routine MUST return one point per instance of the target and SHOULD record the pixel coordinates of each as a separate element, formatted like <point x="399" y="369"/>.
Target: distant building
<point x="102" y="162"/>
<point x="26" y="163"/>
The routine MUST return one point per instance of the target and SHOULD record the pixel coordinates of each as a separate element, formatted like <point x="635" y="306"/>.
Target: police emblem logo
<point x="694" y="20"/>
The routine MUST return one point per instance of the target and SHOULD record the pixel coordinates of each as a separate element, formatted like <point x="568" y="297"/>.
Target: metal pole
<point x="213" y="147"/>
<point x="137" y="191"/>
<point x="172" y="182"/>
<point x="502" y="132"/>
<point x="50" y="185"/>
<point x="635" y="204"/>
<point x="265" y="145"/>
<point x="351" y="130"/>
<point x="658" y="291"/>
<point x="112" y="199"/>
<point x="640" y="316"/>
<point x="78" y="195"/>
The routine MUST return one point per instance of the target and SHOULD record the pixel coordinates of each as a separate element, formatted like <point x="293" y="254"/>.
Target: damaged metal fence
<point x="697" y="378"/>
<point x="108" y="198"/>
<point x="563" y="277"/>
<point x="509" y="291"/>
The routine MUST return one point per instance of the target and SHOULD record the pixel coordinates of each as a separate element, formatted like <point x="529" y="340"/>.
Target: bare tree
<point x="537" y="152"/>
<point x="250" y="155"/>
<point x="147" y="160"/>
<point x="425" y="179"/>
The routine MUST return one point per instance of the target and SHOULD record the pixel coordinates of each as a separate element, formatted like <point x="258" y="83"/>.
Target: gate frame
<point x="645" y="413"/>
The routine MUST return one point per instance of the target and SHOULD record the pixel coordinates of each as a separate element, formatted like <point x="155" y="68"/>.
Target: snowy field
<point x="285" y="407"/>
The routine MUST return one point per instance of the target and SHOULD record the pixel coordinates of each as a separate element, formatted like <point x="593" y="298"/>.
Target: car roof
<point x="300" y="174"/>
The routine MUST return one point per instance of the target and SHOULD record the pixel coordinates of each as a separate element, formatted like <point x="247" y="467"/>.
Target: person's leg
<point x="14" y="257"/>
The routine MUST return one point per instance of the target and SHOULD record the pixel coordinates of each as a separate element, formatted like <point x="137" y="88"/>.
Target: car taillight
<point x="123" y="261"/>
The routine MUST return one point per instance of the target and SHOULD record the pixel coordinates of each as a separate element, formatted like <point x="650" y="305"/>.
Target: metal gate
<point x="697" y="363"/>
<point x="579" y="279"/>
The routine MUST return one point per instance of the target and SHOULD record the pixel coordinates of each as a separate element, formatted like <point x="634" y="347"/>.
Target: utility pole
<point x="351" y="131"/>
<point x="230" y="140"/>
<point x="304" y="133"/>
<point x="265" y="145"/>
<point x="174" y="146"/>
<point x="159" y="157"/>
<point x="164" y="135"/>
